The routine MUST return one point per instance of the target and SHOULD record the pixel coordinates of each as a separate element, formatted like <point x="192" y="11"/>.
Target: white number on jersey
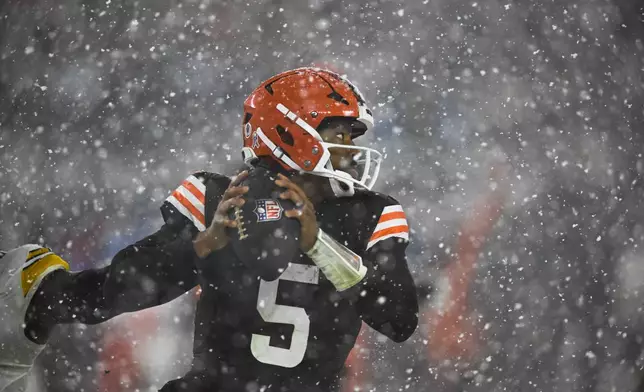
<point x="273" y="313"/>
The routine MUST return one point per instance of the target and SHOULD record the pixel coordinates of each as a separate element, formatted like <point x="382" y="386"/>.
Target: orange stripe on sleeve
<point x="193" y="210"/>
<point x="392" y="215"/>
<point x="390" y="230"/>
<point x="196" y="192"/>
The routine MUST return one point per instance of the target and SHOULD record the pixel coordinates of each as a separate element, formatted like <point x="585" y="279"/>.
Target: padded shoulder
<point x="193" y="203"/>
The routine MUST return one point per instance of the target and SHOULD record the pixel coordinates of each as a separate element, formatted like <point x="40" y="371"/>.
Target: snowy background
<point x="105" y="106"/>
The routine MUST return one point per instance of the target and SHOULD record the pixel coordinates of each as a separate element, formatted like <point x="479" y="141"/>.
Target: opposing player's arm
<point x="387" y="299"/>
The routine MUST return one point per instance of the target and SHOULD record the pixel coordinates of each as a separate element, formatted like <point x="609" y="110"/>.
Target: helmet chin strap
<point x="342" y="183"/>
<point x="342" y="188"/>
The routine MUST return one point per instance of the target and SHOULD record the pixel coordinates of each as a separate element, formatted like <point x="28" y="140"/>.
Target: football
<point x="265" y="240"/>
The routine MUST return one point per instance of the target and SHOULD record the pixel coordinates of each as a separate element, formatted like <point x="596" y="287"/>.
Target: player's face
<point x="341" y="158"/>
<point x="318" y="188"/>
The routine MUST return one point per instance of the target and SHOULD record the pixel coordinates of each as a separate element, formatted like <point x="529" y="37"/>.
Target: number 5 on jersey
<point x="271" y="312"/>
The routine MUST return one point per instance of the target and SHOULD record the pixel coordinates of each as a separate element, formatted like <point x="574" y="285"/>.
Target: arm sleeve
<point x="150" y="272"/>
<point x="387" y="299"/>
<point x="153" y="271"/>
<point x="162" y="266"/>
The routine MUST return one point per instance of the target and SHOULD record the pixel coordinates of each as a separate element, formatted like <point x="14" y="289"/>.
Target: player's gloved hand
<point x="215" y="237"/>
<point x="303" y="211"/>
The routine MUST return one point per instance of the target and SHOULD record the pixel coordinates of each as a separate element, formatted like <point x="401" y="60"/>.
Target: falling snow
<point x="106" y="106"/>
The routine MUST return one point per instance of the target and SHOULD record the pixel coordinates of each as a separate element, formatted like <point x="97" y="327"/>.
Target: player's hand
<point x="215" y="237"/>
<point x="303" y="211"/>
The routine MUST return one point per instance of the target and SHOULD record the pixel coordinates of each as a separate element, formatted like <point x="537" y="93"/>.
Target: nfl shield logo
<point x="268" y="210"/>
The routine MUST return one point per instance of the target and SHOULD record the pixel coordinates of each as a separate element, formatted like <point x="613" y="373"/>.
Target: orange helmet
<point x="282" y="117"/>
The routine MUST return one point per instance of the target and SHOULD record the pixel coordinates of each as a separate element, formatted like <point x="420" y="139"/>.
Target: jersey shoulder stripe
<point x="391" y="223"/>
<point x="189" y="200"/>
<point x="193" y="203"/>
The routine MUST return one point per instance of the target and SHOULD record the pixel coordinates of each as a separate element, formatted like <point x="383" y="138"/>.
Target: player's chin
<point x="353" y="172"/>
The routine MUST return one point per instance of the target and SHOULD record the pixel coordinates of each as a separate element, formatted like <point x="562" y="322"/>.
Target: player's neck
<point x="271" y="165"/>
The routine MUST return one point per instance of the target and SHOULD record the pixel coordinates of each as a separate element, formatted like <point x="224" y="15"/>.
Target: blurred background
<point x="513" y="138"/>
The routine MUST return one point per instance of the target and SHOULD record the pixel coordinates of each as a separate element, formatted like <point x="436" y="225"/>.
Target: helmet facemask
<point x="362" y="172"/>
<point x="366" y="163"/>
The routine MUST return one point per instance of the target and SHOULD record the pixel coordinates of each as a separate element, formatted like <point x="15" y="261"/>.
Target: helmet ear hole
<point x="339" y="98"/>
<point x="249" y="156"/>
<point x="285" y="135"/>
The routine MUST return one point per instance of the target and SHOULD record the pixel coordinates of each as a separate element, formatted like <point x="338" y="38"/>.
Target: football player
<point x="287" y="279"/>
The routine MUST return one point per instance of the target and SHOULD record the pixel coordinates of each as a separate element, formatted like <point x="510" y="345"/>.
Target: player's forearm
<point x="148" y="274"/>
<point x="65" y="297"/>
<point x="392" y="312"/>
<point x="151" y="272"/>
<point x="388" y="301"/>
<point x="208" y="242"/>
